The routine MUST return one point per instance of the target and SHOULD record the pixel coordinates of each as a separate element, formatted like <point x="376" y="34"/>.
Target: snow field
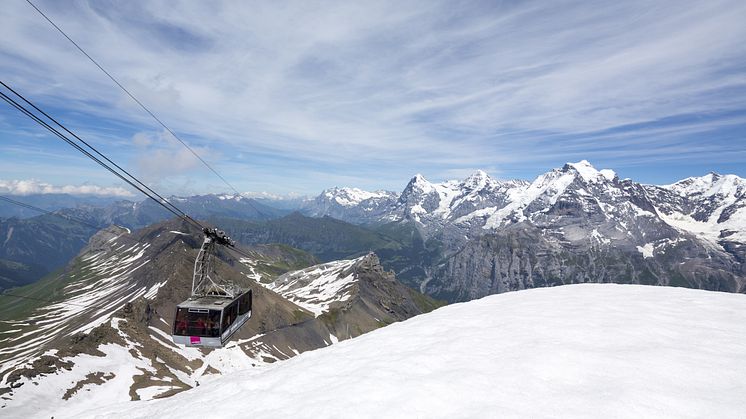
<point x="591" y="350"/>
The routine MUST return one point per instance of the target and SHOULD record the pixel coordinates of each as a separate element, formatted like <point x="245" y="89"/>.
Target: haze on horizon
<point x="310" y="95"/>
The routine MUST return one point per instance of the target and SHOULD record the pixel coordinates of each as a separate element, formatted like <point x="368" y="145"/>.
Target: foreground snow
<point x="574" y="351"/>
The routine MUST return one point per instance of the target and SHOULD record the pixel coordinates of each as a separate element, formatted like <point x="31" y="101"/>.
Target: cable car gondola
<point x="216" y="309"/>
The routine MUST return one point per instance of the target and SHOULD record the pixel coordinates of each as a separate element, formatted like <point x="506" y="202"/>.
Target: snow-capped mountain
<point x="582" y="351"/>
<point x="104" y="323"/>
<point x="575" y="224"/>
<point x="712" y="206"/>
<point x="350" y="204"/>
<point x="432" y="204"/>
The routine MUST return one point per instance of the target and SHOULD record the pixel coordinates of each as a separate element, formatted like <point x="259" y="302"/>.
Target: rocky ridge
<point x="575" y="224"/>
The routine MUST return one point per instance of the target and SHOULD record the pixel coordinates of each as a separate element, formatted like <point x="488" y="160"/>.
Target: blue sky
<point x="300" y="96"/>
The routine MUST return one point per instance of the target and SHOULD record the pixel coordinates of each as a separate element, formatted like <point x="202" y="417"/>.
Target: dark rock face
<point x="520" y="257"/>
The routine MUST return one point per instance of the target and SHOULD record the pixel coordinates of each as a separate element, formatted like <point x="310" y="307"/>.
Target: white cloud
<point x="403" y="86"/>
<point x="160" y="155"/>
<point x="142" y="139"/>
<point x="34" y="187"/>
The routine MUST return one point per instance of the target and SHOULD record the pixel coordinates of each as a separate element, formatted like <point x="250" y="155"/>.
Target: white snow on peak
<point x="553" y="352"/>
<point x="419" y="183"/>
<point x="709" y="185"/>
<point x="419" y="178"/>
<point x="272" y="196"/>
<point x="316" y="288"/>
<point x="477" y="180"/>
<point x="550" y="185"/>
<point x="716" y="193"/>
<point x="350" y="197"/>
<point x="590" y="174"/>
<point x="480" y="180"/>
<point x="608" y="174"/>
<point x="452" y="193"/>
<point x="229" y="197"/>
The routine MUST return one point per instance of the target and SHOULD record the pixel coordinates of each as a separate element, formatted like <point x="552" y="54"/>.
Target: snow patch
<point x="646" y="250"/>
<point x="317" y="287"/>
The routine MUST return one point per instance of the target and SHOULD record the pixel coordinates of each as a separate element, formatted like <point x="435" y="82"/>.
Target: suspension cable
<point x="69" y="219"/>
<point x="64" y="217"/>
<point x="145" y="108"/>
<point x="92" y="148"/>
<point x="135" y="183"/>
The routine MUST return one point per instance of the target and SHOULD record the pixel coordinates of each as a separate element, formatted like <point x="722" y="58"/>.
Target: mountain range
<point x="463" y="239"/>
<point x="61" y="235"/>
<point x="97" y="324"/>
<point x="570" y="225"/>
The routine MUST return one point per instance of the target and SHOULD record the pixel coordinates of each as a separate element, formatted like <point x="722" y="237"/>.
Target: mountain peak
<point x="710" y="184"/>
<point x="478" y="174"/>
<point x="478" y="180"/>
<point x="418" y="178"/>
<point x="589" y="173"/>
<point x="419" y="182"/>
<point x="349" y="197"/>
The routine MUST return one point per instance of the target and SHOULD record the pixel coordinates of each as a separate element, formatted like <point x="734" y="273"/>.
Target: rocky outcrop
<point x="521" y="257"/>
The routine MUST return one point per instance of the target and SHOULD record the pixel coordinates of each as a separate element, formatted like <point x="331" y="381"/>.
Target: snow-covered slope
<point x="350" y="204"/>
<point x="582" y="351"/>
<point x="318" y="287"/>
<point x="712" y="206"/>
<point x="349" y="197"/>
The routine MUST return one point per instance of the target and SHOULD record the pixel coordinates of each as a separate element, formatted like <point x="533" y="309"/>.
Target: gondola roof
<point x="213" y="302"/>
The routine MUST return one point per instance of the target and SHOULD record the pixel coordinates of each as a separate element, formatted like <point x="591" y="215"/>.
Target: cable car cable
<point x="72" y="219"/>
<point x="182" y="214"/>
<point x="145" y="108"/>
<point x="64" y="217"/>
<point x="28" y="113"/>
<point x="41" y="122"/>
<point x="170" y="207"/>
<point x="27" y="297"/>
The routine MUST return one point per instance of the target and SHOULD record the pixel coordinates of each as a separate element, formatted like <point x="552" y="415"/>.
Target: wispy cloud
<point x="159" y="155"/>
<point x="372" y="92"/>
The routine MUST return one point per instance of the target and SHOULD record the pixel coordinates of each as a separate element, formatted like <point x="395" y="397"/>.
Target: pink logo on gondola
<point x="194" y="340"/>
